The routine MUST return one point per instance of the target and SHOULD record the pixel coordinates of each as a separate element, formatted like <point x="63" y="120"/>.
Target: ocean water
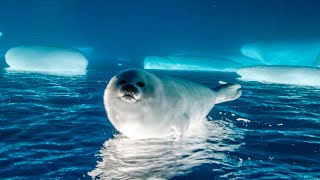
<point x="55" y="127"/>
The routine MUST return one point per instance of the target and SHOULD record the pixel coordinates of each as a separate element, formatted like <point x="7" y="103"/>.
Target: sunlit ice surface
<point x="191" y="63"/>
<point x="47" y="59"/>
<point x="204" y="143"/>
<point x="291" y="53"/>
<point x="303" y="76"/>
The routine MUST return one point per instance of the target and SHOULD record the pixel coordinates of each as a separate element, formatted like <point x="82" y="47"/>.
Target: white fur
<point x="166" y="106"/>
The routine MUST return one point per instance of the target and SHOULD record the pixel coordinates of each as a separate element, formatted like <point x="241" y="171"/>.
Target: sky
<point x="137" y="28"/>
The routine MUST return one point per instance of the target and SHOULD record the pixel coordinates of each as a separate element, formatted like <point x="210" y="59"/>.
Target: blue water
<point x="56" y="127"/>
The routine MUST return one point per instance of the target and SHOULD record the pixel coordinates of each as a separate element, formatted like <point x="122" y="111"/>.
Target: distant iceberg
<point x="47" y="59"/>
<point x="191" y="63"/>
<point x="243" y="60"/>
<point x="308" y="76"/>
<point x="290" y="53"/>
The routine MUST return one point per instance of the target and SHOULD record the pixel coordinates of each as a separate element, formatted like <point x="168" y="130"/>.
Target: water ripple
<point x="166" y="158"/>
<point x="55" y="127"/>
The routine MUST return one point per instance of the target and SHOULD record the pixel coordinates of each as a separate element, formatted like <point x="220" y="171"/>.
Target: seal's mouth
<point x="129" y="93"/>
<point x="128" y="96"/>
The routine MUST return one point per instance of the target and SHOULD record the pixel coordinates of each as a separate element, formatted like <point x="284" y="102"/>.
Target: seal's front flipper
<point x="177" y="134"/>
<point x="181" y="127"/>
<point x="227" y="92"/>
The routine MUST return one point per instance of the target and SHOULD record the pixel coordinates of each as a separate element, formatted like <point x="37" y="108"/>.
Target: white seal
<point x="142" y="105"/>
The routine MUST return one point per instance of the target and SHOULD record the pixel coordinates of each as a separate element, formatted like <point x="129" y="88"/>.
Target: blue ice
<point x="291" y="53"/>
<point x="47" y="59"/>
<point x="191" y="63"/>
<point x="308" y="76"/>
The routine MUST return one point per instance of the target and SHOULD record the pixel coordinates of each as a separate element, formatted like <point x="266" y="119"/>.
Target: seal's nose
<point x="129" y="88"/>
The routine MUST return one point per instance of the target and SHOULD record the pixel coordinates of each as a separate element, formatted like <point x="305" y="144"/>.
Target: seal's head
<point x="131" y="99"/>
<point x="130" y="86"/>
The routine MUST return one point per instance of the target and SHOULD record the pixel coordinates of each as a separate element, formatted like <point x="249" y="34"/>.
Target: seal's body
<point x="142" y="105"/>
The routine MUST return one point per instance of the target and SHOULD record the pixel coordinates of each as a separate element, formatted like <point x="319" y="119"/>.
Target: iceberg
<point x="308" y="76"/>
<point x="290" y="53"/>
<point x="47" y="59"/>
<point x="191" y="63"/>
<point x="243" y="60"/>
<point x="1" y="33"/>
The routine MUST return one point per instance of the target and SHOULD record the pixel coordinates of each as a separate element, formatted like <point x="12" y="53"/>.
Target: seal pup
<point x="142" y="105"/>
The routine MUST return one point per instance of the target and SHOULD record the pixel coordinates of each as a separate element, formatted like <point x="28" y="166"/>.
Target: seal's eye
<point x="140" y="84"/>
<point x="122" y="82"/>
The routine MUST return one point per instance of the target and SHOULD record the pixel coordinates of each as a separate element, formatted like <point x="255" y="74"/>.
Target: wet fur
<point x="168" y="106"/>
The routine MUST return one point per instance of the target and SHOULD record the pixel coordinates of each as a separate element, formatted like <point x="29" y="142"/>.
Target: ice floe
<point x="194" y="63"/>
<point x="309" y="76"/>
<point x="46" y="59"/>
<point x="291" y="53"/>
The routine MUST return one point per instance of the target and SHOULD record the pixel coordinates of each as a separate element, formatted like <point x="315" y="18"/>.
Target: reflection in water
<point x="208" y="142"/>
<point x="81" y="72"/>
